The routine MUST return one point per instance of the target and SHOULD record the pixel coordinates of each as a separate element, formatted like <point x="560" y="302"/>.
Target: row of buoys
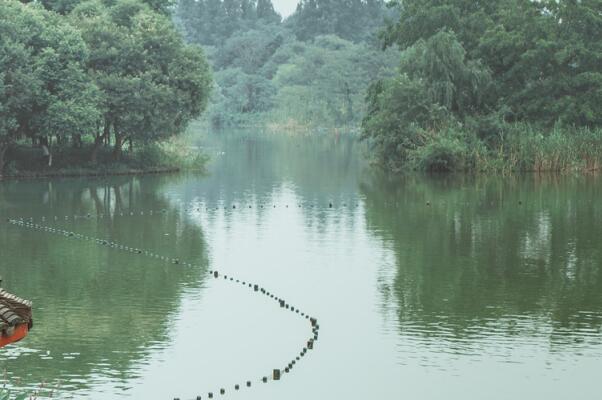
<point x="164" y="211"/>
<point x="191" y="209"/>
<point x="102" y="242"/>
<point x="277" y="373"/>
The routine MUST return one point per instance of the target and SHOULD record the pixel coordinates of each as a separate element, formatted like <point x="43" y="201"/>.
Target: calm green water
<point x="426" y="288"/>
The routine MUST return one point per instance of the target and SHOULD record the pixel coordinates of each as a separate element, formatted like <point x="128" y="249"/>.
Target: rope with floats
<point x="199" y="208"/>
<point x="275" y="375"/>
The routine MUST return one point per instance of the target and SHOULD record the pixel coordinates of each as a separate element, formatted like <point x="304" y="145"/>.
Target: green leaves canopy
<point x="114" y="66"/>
<point x="505" y="61"/>
<point x="153" y="84"/>
<point x="44" y="88"/>
<point x="544" y="57"/>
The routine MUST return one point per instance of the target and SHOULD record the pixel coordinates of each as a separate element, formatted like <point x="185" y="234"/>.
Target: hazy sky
<point x="285" y="7"/>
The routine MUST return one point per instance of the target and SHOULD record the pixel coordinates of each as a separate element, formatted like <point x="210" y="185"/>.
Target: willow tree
<point x="437" y="88"/>
<point x="488" y="64"/>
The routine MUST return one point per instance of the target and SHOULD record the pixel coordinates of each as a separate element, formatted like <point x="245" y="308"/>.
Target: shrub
<point x="445" y="152"/>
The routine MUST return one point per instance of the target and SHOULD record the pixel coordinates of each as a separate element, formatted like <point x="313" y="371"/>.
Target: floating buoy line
<point x="275" y="375"/>
<point x="198" y="208"/>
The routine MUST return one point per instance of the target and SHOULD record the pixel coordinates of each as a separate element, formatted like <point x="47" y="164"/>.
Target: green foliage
<point x="312" y="69"/>
<point x="323" y="83"/>
<point x="66" y="6"/>
<point x="45" y="89"/>
<point x="496" y="71"/>
<point x="212" y="22"/>
<point x="158" y="83"/>
<point x="444" y="152"/>
<point x="240" y="37"/>
<point x="170" y="153"/>
<point x="399" y="115"/>
<point x="354" y="20"/>
<point x="108" y="68"/>
<point x="525" y="148"/>
<point x="244" y="93"/>
<point x="250" y="50"/>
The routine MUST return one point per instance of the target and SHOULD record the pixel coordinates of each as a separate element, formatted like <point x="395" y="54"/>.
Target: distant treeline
<point x="312" y="69"/>
<point x="491" y="85"/>
<point x="84" y="74"/>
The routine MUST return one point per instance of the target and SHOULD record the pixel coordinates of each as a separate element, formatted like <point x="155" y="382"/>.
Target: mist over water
<point x="426" y="287"/>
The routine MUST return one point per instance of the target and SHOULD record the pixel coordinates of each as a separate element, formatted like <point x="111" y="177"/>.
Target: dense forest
<point x="491" y="85"/>
<point x="311" y="70"/>
<point x="91" y="75"/>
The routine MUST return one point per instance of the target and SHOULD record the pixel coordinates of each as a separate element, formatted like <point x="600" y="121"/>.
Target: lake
<point x="424" y="287"/>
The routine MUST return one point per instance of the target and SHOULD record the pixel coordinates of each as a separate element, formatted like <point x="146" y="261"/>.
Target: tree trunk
<point x="99" y="141"/>
<point x="76" y="140"/>
<point x="117" y="147"/>
<point x="47" y="155"/>
<point x="3" y="149"/>
<point x="95" y="147"/>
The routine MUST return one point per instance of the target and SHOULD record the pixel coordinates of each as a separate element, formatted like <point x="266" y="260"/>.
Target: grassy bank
<point x="507" y="148"/>
<point x="524" y="148"/>
<point x="25" y="161"/>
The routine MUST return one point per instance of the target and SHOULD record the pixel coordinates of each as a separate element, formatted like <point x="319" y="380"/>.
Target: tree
<point x="265" y="11"/>
<point x="529" y="47"/>
<point x="153" y="84"/>
<point x="241" y="94"/>
<point x="44" y="90"/>
<point x="508" y="61"/>
<point x="325" y="82"/>
<point x="66" y="6"/>
<point x="313" y="67"/>
<point x="211" y="22"/>
<point x="354" y="20"/>
<point x="250" y="50"/>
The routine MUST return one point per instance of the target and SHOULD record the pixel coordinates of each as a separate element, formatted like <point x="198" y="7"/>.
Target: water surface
<point x="425" y="287"/>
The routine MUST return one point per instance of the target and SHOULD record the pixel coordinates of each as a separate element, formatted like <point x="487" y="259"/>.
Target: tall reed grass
<point x="515" y="148"/>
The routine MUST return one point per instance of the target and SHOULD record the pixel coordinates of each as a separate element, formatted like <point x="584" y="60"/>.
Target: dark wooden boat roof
<point x="13" y="310"/>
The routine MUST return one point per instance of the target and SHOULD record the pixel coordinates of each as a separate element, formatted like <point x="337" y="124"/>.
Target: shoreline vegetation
<point x="171" y="156"/>
<point x="96" y="87"/>
<point x="516" y="148"/>
<point x="520" y="148"/>
<point x="83" y="172"/>
<point x="505" y="86"/>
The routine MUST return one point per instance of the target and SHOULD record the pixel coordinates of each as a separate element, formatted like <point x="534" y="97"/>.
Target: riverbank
<point x="487" y="147"/>
<point x="83" y="172"/>
<point x="27" y="162"/>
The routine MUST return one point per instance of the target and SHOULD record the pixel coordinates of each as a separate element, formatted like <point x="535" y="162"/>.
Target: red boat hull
<point x="19" y="333"/>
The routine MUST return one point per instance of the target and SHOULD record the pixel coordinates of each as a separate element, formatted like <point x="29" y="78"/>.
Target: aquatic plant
<point x="14" y="394"/>
<point x="8" y="394"/>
